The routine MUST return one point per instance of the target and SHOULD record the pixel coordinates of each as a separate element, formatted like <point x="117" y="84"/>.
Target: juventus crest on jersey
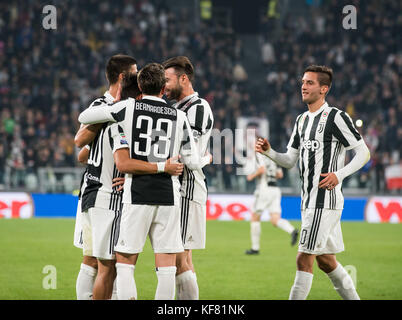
<point x="101" y="169"/>
<point x="322" y="139"/>
<point x="154" y="132"/>
<point x="200" y="117"/>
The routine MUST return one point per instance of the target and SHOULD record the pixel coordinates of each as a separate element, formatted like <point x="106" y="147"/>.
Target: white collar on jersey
<point x="187" y="98"/>
<point x="319" y="110"/>
<point x="153" y="98"/>
<point x="108" y="96"/>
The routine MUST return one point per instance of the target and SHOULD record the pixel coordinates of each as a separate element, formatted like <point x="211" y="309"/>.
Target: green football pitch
<point x="224" y="272"/>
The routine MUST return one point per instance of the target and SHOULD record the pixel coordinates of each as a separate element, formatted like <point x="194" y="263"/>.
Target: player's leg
<point x="86" y="278"/>
<point x="165" y="264"/>
<point x="304" y="276"/>
<point x="193" y="231"/>
<point x="125" y="281"/>
<point x="166" y="242"/>
<point x="103" y="286"/>
<point x="284" y="225"/>
<point x="103" y="223"/>
<point x="255" y="232"/>
<point x="306" y="255"/>
<point x="186" y="279"/>
<point x="332" y="244"/>
<point x="133" y="230"/>
<point x="88" y="270"/>
<point x="275" y="210"/>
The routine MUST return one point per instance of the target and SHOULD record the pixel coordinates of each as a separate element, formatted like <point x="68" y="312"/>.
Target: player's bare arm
<point x="127" y="165"/>
<point x="83" y="155"/>
<point x="86" y="134"/>
<point x="256" y="174"/>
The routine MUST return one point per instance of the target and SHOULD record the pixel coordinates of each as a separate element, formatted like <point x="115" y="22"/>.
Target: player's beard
<point x="175" y="93"/>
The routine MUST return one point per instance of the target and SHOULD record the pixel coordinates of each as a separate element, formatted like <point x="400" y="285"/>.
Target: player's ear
<point x="324" y="89"/>
<point x="163" y="90"/>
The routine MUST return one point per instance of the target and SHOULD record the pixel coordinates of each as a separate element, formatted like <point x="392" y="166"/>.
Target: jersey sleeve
<point x="294" y="141"/>
<point x="103" y="112"/>
<point x="344" y="130"/>
<point x="199" y="119"/>
<point x="117" y="136"/>
<point x="188" y="148"/>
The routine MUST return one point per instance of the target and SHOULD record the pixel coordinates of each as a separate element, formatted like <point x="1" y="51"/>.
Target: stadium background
<point x="248" y="61"/>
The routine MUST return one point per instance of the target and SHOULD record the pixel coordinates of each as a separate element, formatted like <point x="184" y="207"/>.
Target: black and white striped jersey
<point x="83" y="183"/>
<point x="101" y="169"/>
<point x="322" y="139"/>
<point x="200" y="117"/>
<point x="268" y="178"/>
<point x="153" y="131"/>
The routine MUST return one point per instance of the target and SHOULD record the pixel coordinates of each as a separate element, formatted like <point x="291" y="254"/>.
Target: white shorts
<point x="193" y="224"/>
<point x="267" y="198"/>
<point x="100" y="232"/>
<point x="161" y="223"/>
<point x="78" y="227"/>
<point x="321" y="232"/>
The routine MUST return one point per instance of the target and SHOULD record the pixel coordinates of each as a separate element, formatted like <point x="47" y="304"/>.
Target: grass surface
<point x="223" y="270"/>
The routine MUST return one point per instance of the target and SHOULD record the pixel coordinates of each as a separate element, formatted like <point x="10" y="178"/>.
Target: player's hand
<point x="249" y="177"/>
<point x="262" y="145"/>
<point x="329" y="182"/>
<point x="118" y="182"/>
<point x="173" y="166"/>
<point x="210" y="156"/>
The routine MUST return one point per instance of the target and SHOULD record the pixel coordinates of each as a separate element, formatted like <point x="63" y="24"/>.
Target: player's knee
<point x="90" y="261"/>
<point x="304" y="262"/>
<point x="181" y="263"/>
<point x="325" y="264"/>
<point x="274" y="219"/>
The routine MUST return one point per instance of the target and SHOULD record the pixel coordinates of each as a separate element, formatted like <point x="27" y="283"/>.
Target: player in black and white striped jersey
<point x="100" y="200"/>
<point x="179" y="73"/>
<point x="267" y="196"/>
<point x="319" y="140"/>
<point x="153" y="132"/>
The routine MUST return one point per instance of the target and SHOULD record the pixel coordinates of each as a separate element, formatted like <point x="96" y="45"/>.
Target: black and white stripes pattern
<point x="114" y="235"/>
<point x="185" y="209"/>
<point x="322" y="139"/>
<point x="314" y="229"/>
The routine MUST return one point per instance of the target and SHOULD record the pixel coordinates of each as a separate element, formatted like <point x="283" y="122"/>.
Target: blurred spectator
<point x="48" y="76"/>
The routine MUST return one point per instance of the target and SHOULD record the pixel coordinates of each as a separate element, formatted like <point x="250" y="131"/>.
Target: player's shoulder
<point x="339" y="113"/>
<point x="199" y="102"/>
<point x="181" y="114"/>
<point x="98" y="101"/>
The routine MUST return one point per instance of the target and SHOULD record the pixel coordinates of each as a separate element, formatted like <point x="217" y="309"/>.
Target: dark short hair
<point x="324" y="74"/>
<point x="117" y="64"/>
<point x="182" y="65"/>
<point x="130" y="87"/>
<point x="151" y="78"/>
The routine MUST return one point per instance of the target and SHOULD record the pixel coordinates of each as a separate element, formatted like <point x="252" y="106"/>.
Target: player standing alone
<point x="319" y="140"/>
<point x="179" y="73"/>
<point x="267" y="197"/>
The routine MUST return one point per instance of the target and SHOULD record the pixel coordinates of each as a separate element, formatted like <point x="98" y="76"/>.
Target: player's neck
<point x="113" y="89"/>
<point x="313" y="107"/>
<point x="186" y="92"/>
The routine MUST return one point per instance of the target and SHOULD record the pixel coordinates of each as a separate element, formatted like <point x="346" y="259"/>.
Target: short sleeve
<point x="118" y="139"/>
<point x="344" y="130"/>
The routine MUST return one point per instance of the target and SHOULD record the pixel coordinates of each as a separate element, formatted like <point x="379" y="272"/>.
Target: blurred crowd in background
<point x="47" y="77"/>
